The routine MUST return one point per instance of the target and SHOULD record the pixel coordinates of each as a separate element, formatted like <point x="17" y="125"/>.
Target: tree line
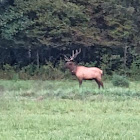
<point x="36" y="32"/>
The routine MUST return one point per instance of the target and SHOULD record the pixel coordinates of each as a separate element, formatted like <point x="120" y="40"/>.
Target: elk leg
<point x="97" y="83"/>
<point x="101" y="83"/>
<point x="80" y="82"/>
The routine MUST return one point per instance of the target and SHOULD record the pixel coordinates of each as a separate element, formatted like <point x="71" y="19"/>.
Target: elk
<point x="82" y="72"/>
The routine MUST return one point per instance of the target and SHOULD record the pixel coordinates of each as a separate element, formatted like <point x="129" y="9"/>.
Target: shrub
<point x="135" y="68"/>
<point x="121" y="81"/>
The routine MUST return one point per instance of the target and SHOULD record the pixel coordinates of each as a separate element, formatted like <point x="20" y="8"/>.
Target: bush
<point x="135" y="68"/>
<point x="120" y="81"/>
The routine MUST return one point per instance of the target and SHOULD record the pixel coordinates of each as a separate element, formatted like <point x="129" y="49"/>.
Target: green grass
<point x="59" y="110"/>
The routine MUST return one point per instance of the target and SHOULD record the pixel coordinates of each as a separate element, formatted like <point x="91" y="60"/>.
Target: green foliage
<point x="121" y="81"/>
<point x="106" y="64"/>
<point x="62" y="22"/>
<point x="50" y="72"/>
<point x="44" y="72"/>
<point x="47" y="71"/>
<point x="135" y="68"/>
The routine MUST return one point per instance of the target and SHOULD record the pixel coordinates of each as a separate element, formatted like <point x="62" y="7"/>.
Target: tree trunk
<point x="125" y="58"/>
<point x="29" y="53"/>
<point x="37" y="59"/>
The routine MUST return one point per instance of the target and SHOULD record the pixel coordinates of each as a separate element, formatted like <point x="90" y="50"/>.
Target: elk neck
<point x="73" y="69"/>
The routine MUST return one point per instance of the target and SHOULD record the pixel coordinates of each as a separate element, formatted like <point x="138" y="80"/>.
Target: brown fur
<point x="85" y="73"/>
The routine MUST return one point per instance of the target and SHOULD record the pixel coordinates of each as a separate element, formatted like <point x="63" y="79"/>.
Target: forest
<point x="39" y="97"/>
<point x="36" y="34"/>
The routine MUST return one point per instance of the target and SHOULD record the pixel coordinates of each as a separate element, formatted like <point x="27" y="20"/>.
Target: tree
<point x="60" y="25"/>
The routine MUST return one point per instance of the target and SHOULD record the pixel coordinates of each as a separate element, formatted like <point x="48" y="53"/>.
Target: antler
<point x="74" y="55"/>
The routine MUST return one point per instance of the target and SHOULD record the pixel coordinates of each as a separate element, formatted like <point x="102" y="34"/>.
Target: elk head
<point x="69" y="61"/>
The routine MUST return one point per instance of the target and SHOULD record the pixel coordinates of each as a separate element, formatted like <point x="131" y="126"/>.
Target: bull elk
<point x="82" y="72"/>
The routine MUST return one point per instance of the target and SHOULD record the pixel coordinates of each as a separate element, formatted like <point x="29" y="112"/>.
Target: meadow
<point x="60" y="110"/>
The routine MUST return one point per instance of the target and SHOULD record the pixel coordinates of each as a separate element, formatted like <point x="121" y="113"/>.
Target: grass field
<point x="59" y="110"/>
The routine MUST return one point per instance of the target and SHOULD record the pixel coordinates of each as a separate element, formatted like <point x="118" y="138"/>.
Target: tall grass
<point x="67" y="89"/>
